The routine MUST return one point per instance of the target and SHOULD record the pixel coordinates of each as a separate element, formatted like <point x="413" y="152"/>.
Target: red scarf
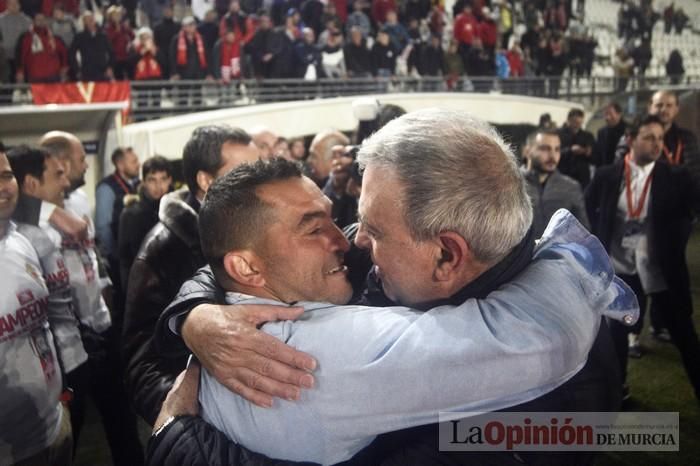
<point x="147" y="67"/>
<point x="230" y="56"/>
<point x="182" y="50"/>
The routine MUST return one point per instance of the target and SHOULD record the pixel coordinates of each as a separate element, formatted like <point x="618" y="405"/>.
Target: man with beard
<point x="547" y="187"/>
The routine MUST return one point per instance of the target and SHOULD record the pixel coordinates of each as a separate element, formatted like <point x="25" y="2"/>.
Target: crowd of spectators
<point x="229" y="39"/>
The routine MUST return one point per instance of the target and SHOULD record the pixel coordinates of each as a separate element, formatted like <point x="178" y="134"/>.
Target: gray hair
<point x="459" y="175"/>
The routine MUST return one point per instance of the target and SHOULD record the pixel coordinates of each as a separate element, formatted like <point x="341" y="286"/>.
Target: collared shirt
<point x="537" y="329"/>
<point x="636" y="260"/>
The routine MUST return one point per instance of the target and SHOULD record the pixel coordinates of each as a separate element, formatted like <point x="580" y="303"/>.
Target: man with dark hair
<point x="109" y="200"/>
<point x="642" y="210"/>
<point x="609" y="135"/>
<point x="141" y="214"/>
<point x="42" y="175"/>
<point x="549" y="189"/>
<point x="169" y="255"/>
<point x="426" y="255"/>
<point x="576" y="148"/>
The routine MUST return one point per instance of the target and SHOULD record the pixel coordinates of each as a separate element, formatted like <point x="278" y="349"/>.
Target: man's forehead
<point x="652" y="128"/>
<point x="547" y="139"/>
<point x="663" y="98"/>
<point x="296" y="193"/>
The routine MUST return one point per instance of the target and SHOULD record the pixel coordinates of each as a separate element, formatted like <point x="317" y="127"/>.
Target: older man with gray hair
<point x="499" y="322"/>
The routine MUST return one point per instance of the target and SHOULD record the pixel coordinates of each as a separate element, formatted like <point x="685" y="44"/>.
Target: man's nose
<point x="361" y="238"/>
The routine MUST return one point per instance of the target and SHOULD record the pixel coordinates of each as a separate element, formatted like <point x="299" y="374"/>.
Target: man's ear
<point x="454" y="252"/>
<point x="30" y="185"/>
<point x="243" y="267"/>
<point x="204" y="180"/>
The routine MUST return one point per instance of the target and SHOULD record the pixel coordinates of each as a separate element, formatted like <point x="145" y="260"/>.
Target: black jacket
<point x="606" y="143"/>
<point x="95" y="56"/>
<point x="358" y="59"/>
<point x="672" y="199"/>
<point x="135" y="222"/>
<point x="595" y="388"/>
<point x="169" y="255"/>
<point x="575" y="166"/>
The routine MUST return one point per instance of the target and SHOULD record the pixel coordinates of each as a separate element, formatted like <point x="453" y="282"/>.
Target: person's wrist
<point x="167" y="423"/>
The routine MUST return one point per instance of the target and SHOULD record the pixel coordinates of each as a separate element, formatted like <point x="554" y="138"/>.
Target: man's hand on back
<point x="257" y="366"/>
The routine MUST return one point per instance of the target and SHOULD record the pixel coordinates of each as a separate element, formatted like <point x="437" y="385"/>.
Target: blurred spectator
<point x="502" y="66"/>
<point x="431" y="61"/>
<point x="504" y="12"/>
<point x="330" y="13"/>
<point x="555" y="15"/>
<point x="609" y="135"/>
<point x="281" y="149"/>
<point x="312" y="15"/>
<point x="226" y="58"/>
<point x="488" y="32"/>
<point x="380" y="8"/>
<point x="297" y="149"/>
<point x="642" y="56"/>
<point x="163" y="34"/>
<point x="320" y="159"/>
<point x="42" y="57"/>
<point x="140" y="214"/>
<point x="120" y="35"/>
<point x="437" y="20"/>
<point x="674" y="66"/>
<point x="200" y="8"/>
<point x="259" y="47"/>
<point x="156" y="11"/>
<point x="309" y="56"/>
<point x="62" y="24"/>
<point x="466" y="29"/>
<point x="383" y="56"/>
<point x="358" y="59"/>
<point x="669" y="13"/>
<point x="415" y="45"/>
<point x="556" y="63"/>
<point x="238" y="21"/>
<point x="31" y="7"/>
<point x="332" y="56"/>
<point x="331" y="27"/>
<point x="546" y="122"/>
<point x="479" y="63"/>
<point x="415" y="9"/>
<point x="589" y="54"/>
<point x="146" y="65"/>
<point x="70" y="7"/>
<point x="576" y="148"/>
<point x="91" y="56"/>
<point x="397" y="32"/>
<point x="188" y="60"/>
<point x="264" y="139"/>
<point x="515" y="60"/>
<point x="341" y="9"/>
<point x="680" y="19"/>
<point x="358" y="19"/>
<point x="209" y="30"/>
<point x="623" y="68"/>
<point x="454" y="65"/>
<point x="13" y="24"/>
<point x="282" y="56"/>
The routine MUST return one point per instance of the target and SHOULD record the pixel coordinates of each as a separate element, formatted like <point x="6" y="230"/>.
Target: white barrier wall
<point x="168" y="136"/>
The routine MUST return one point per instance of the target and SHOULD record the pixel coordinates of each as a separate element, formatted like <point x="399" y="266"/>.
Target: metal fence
<point x="156" y="99"/>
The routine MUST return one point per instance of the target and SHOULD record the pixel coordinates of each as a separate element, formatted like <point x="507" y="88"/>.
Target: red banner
<point x="83" y="93"/>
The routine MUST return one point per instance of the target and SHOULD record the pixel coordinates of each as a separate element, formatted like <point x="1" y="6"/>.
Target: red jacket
<point x="515" y="62"/>
<point x="466" y="28"/>
<point x="45" y="64"/>
<point x="488" y="32"/>
<point x="119" y="39"/>
<point x="380" y="9"/>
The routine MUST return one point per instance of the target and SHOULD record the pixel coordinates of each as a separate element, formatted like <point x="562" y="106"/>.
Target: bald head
<point x="321" y="152"/>
<point x="265" y="140"/>
<point x="664" y="104"/>
<point x="68" y="148"/>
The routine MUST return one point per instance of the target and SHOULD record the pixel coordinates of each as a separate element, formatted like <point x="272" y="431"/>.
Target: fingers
<point x="259" y="389"/>
<point x="272" y="348"/>
<point x="259" y="314"/>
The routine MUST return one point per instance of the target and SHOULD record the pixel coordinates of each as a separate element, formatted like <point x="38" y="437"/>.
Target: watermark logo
<point x="559" y="431"/>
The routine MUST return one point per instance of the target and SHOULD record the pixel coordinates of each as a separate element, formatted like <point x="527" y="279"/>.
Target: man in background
<point x="576" y="148"/>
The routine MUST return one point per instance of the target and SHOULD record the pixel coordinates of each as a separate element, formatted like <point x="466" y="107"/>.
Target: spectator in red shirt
<point x="42" y="56"/>
<point x="380" y="9"/>
<point x="120" y="35"/>
<point x="515" y="60"/>
<point x="488" y="31"/>
<point x="466" y="28"/>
